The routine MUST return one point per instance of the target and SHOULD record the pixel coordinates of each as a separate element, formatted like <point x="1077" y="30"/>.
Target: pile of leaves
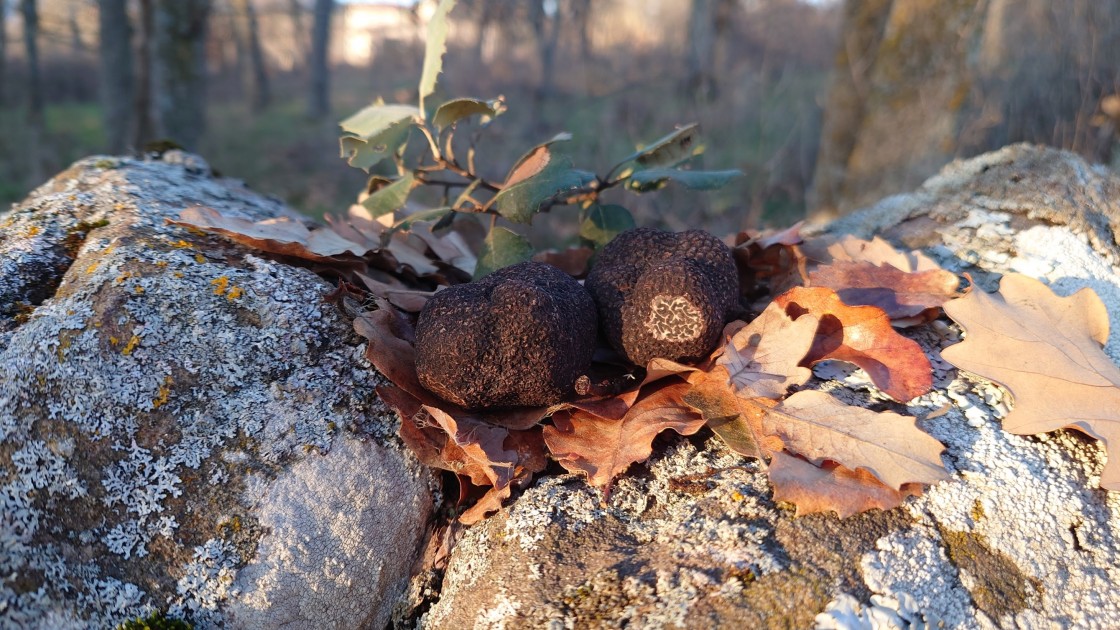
<point x="824" y="299"/>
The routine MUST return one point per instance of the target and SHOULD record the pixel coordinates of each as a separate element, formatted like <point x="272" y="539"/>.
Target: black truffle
<point x="664" y="294"/>
<point x="521" y="335"/>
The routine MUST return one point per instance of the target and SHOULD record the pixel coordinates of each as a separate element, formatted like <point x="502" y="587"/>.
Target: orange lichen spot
<point x="737" y="496"/>
<point x="63" y="346"/>
<point x="119" y="206"/>
<point x="70" y="311"/>
<point x="164" y="393"/>
<point x="178" y="274"/>
<point x="131" y="345"/>
<point x="33" y="230"/>
<point x="93" y="267"/>
<point x="108" y="250"/>
<point x="138" y="290"/>
<point x="180" y="244"/>
<point x="161" y="264"/>
<point x="199" y="258"/>
<point x="114" y="340"/>
<point x="234" y="293"/>
<point x="221" y="284"/>
<point x="124" y="276"/>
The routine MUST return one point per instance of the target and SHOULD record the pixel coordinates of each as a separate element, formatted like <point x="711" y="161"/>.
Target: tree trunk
<point x="31" y="47"/>
<point x="249" y="36"/>
<point x="900" y="121"/>
<point x="299" y="33"/>
<point x="701" y="49"/>
<point x="77" y="47"/>
<point x="34" y="147"/>
<point x="861" y="33"/>
<point x="117" y="91"/>
<point x="319" y="105"/>
<point x="144" y="129"/>
<point x="547" y="31"/>
<point x="3" y="52"/>
<point x="179" y="69"/>
<point x="581" y="17"/>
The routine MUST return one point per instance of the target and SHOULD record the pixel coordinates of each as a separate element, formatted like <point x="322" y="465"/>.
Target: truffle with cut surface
<point x="664" y="294"/>
<point x="521" y="335"/>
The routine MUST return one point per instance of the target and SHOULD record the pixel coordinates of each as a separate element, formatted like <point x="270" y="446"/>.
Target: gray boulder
<point x="185" y="425"/>
<point x="1020" y="536"/>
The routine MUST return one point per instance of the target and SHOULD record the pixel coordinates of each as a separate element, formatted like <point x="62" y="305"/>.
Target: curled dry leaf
<point x="604" y="447"/>
<point x="832" y="487"/>
<point x="764" y="357"/>
<point x="573" y="261"/>
<point x="283" y="236"/>
<point x="1046" y="350"/>
<point x="819" y="427"/>
<point x="847" y="248"/>
<point x="861" y="335"/>
<point x="907" y="298"/>
<point x="769" y="264"/>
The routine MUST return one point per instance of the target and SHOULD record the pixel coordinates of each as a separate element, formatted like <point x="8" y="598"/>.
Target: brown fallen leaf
<point x="861" y="335"/>
<point x="831" y="487"/>
<point x="819" y="427"/>
<point x="764" y="357"/>
<point x="847" y="248"/>
<point x="603" y="448"/>
<point x="1046" y="350"/>
<point x="574" y="261"/>
<point x="735" y="420"/>
<point x="396" y="292"/>
<point x="284" y="236"/>
<point x="769" y="264"/>
<point x="907" y="298"/>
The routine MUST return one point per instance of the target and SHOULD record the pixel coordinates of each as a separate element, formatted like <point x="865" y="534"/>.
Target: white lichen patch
<point x="136" y="398"/>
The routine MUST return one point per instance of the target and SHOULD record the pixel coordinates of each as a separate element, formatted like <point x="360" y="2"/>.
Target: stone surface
<point x="185" y="425"/>
<point x="1020" y="536"/>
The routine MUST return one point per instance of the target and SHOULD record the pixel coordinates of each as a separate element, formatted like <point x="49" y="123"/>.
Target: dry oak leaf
<point x="764" y="357"/>
<point x="861" y="335"/>
<point x="769" y="264"/>
<point x="909" y="286"/>
<point x="890" y="446"/>
<point x="1046" y="350"/>
<point x="828" y="249"/>
<point x="284" y="236"/>
<point x="831" y="487"/>
<point x="603" y="448"/>
<point x="907" y="298"/>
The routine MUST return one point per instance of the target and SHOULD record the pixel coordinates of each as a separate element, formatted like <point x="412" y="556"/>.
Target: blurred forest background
<point x="825" y="105"/>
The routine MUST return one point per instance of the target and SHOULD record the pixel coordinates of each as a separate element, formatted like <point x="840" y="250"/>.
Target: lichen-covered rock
<point x="186" y="426"/>
<point x="664" y="294"/>
<point x="1020" y="536"/>
<point x="521" y="335"/>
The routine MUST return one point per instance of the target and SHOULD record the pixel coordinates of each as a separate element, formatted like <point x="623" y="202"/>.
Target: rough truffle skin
<point x="664" y="294"/>
<point x="521" y="335"/>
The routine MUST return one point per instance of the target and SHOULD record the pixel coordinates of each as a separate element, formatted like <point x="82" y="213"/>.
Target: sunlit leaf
<point x="434" y="48"/>
<point x="434" y="214"/>
<point x="652" y="179"/>
<point x="502" y="248"/>
<point x="534" y="160"/>
<point x="670" y="150"/>
<point x="555" y="181"/>
<point x="375" y="133"/>
<point x="457" y="109"/>
<point x="604" y="222"/>
<point x="389" y="198"/>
